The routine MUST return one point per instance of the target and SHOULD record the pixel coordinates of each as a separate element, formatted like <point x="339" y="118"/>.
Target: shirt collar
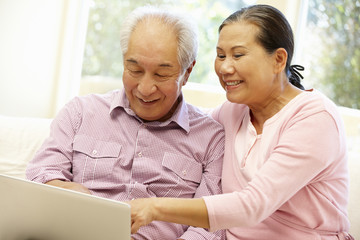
<point x="180" y="116"/>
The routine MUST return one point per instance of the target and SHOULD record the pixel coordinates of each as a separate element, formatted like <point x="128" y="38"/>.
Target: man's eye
<point x="221" y="56"/>
<point x="136" y="72"/>
<point x="161" y="75"/>
<point x="238" y="55"/>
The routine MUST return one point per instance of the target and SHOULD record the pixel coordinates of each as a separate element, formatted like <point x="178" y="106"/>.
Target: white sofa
<point x="21" y="137"/>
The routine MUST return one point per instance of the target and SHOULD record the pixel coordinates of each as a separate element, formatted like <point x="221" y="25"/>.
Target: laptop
<point x="34" y="211"/>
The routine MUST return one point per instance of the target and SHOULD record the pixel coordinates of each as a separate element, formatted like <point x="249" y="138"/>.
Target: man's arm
<point x="54" y="158"/>
<point x="69" y="185"/>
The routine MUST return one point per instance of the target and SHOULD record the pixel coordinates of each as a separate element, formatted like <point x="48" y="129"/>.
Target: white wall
<point x="290" y="8"/>
<point x="29" y="47"/>
<point x="37" y="62"/>
<point x="41" y="49"/>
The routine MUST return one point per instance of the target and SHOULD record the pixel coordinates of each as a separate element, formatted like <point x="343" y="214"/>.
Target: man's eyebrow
<point x="166" y="65"/>
<point x="131" y="60"/>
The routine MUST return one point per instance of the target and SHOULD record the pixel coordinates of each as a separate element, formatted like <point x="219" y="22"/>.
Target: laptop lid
<point x="33" y="211"/>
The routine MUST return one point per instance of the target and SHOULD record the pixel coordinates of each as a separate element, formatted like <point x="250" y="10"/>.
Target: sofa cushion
<point x="354" y="200"/>
<point x="20" y="138"/>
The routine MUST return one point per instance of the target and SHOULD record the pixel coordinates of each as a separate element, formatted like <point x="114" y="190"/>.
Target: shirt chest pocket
<point x="94" y="160"/>
<point x="185" y="168"/>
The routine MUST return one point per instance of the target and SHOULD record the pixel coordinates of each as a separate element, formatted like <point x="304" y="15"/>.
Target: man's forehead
<point x="145" y="61"/>
<point x="153" y="45"/>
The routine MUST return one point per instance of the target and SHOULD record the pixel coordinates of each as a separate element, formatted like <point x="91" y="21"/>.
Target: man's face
<point x="152" y="74"/>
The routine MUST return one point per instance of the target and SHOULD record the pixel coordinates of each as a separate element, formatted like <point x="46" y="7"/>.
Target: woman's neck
<point x="261" y="112"/>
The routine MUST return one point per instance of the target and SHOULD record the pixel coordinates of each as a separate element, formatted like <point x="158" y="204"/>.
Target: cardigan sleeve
<point x="300" y="156"/>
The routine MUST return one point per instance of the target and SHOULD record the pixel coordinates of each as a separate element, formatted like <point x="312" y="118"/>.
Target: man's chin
<point x="153" y="117"/>
<point x="148" y="117"/>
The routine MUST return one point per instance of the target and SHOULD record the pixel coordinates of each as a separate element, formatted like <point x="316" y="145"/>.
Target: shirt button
<point x="140" y="154"/>
<point x="94" y="152"/>
<point x="184" y="172"/>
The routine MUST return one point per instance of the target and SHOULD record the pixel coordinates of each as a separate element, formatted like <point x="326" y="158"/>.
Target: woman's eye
<point x="238" y="55"/>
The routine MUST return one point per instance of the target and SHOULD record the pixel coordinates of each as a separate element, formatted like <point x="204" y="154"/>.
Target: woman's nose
<point x="146" y="86"/>
<point x="227" y="67"/>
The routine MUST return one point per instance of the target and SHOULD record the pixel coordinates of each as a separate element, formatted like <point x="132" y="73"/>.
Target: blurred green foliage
<point x="337" y="67"/>
<point x="103" y="56"/>
<point x="334" y="58"/>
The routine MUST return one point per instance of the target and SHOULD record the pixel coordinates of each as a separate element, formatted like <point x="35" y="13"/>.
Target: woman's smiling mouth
<point x="233" y="83"/>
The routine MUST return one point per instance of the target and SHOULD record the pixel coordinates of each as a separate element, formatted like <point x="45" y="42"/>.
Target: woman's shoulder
<point x="310" y="103"/>
<point x="316" y="101"/>
<point x="229" y="111"/>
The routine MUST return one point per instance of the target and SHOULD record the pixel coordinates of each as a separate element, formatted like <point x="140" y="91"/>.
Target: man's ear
<point x="280" y="58"/>
<point x="188" y="71"/>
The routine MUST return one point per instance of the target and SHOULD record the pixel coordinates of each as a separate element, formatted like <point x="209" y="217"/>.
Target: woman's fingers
<point x="141" y="213"/>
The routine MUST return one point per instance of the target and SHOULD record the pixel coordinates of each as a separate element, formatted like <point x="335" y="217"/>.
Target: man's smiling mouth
<point x="147" y="101"/>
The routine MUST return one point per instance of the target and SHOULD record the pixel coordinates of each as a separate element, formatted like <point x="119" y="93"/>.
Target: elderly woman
<point x="285" y="166"/>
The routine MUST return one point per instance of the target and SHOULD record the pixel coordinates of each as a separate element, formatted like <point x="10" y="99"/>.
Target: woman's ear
<point x="188" y="71"/>
<point x="280" y="58"/>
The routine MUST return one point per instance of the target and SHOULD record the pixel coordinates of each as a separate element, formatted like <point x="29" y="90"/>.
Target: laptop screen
<point x="33" y="211"/>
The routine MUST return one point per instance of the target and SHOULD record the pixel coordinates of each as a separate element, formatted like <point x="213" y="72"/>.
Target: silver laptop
<point x="33" y="211"/>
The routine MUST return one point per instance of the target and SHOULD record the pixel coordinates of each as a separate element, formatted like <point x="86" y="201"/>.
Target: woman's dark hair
<point x="274" y="32"/>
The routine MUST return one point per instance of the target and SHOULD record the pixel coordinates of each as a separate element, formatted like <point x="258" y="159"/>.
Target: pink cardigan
<point x="301" y="190"/>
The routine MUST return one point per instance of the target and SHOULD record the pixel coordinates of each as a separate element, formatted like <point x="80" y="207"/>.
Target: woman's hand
<point x="176" y="210"/>
<point x="143" y="212"/>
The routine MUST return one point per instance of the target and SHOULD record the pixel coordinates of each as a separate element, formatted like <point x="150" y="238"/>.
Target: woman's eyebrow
<point x="232" y="48"/>
<point x="239" y="46"/>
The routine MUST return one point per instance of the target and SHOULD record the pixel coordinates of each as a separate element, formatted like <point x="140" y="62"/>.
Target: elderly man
<point x="143" y="141"/>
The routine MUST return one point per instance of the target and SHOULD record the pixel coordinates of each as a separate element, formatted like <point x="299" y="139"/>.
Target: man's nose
<point x="146" y="85"/>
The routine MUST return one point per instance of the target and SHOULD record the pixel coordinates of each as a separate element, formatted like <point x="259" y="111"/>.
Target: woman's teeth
<point x="233" y="83"/>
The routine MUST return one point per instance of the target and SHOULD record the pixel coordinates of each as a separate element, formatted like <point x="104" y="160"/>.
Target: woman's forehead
<point x="239" y="33"/>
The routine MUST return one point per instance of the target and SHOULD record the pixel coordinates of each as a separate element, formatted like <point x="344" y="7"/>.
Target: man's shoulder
<point x="92" y="103"/>
<point x="202" y="116"/>
<point x="96" y="98"/>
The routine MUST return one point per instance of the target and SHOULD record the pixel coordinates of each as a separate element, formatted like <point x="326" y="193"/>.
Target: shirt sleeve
<point x="210" y="185"/>
<point x="215" y="113"/>
<point x="54" y="158"/>
<point x="165" y="230"/>
<point x="200" y="233"/>
<point x="306" y="148"/>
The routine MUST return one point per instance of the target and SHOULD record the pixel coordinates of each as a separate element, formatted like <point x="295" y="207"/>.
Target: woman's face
<point x="245" y="69"/>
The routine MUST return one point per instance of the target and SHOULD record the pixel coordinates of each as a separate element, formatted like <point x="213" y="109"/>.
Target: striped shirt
<point x="98" y="141"/>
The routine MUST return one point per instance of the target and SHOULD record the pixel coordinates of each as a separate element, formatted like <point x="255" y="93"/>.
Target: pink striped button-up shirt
<point x="98" y="141"/>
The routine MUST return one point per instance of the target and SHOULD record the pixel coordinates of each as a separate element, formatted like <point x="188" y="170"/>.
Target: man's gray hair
<point x="185" y="30"/>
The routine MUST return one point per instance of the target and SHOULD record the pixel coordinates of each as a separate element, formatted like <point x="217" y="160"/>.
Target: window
<point x="331" y="50"/>
<point x="328" y="45"/>
<point x="103" y="56"/>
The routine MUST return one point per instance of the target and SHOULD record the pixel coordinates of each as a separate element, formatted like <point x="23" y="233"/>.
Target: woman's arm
<point x="183" y="211"/>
